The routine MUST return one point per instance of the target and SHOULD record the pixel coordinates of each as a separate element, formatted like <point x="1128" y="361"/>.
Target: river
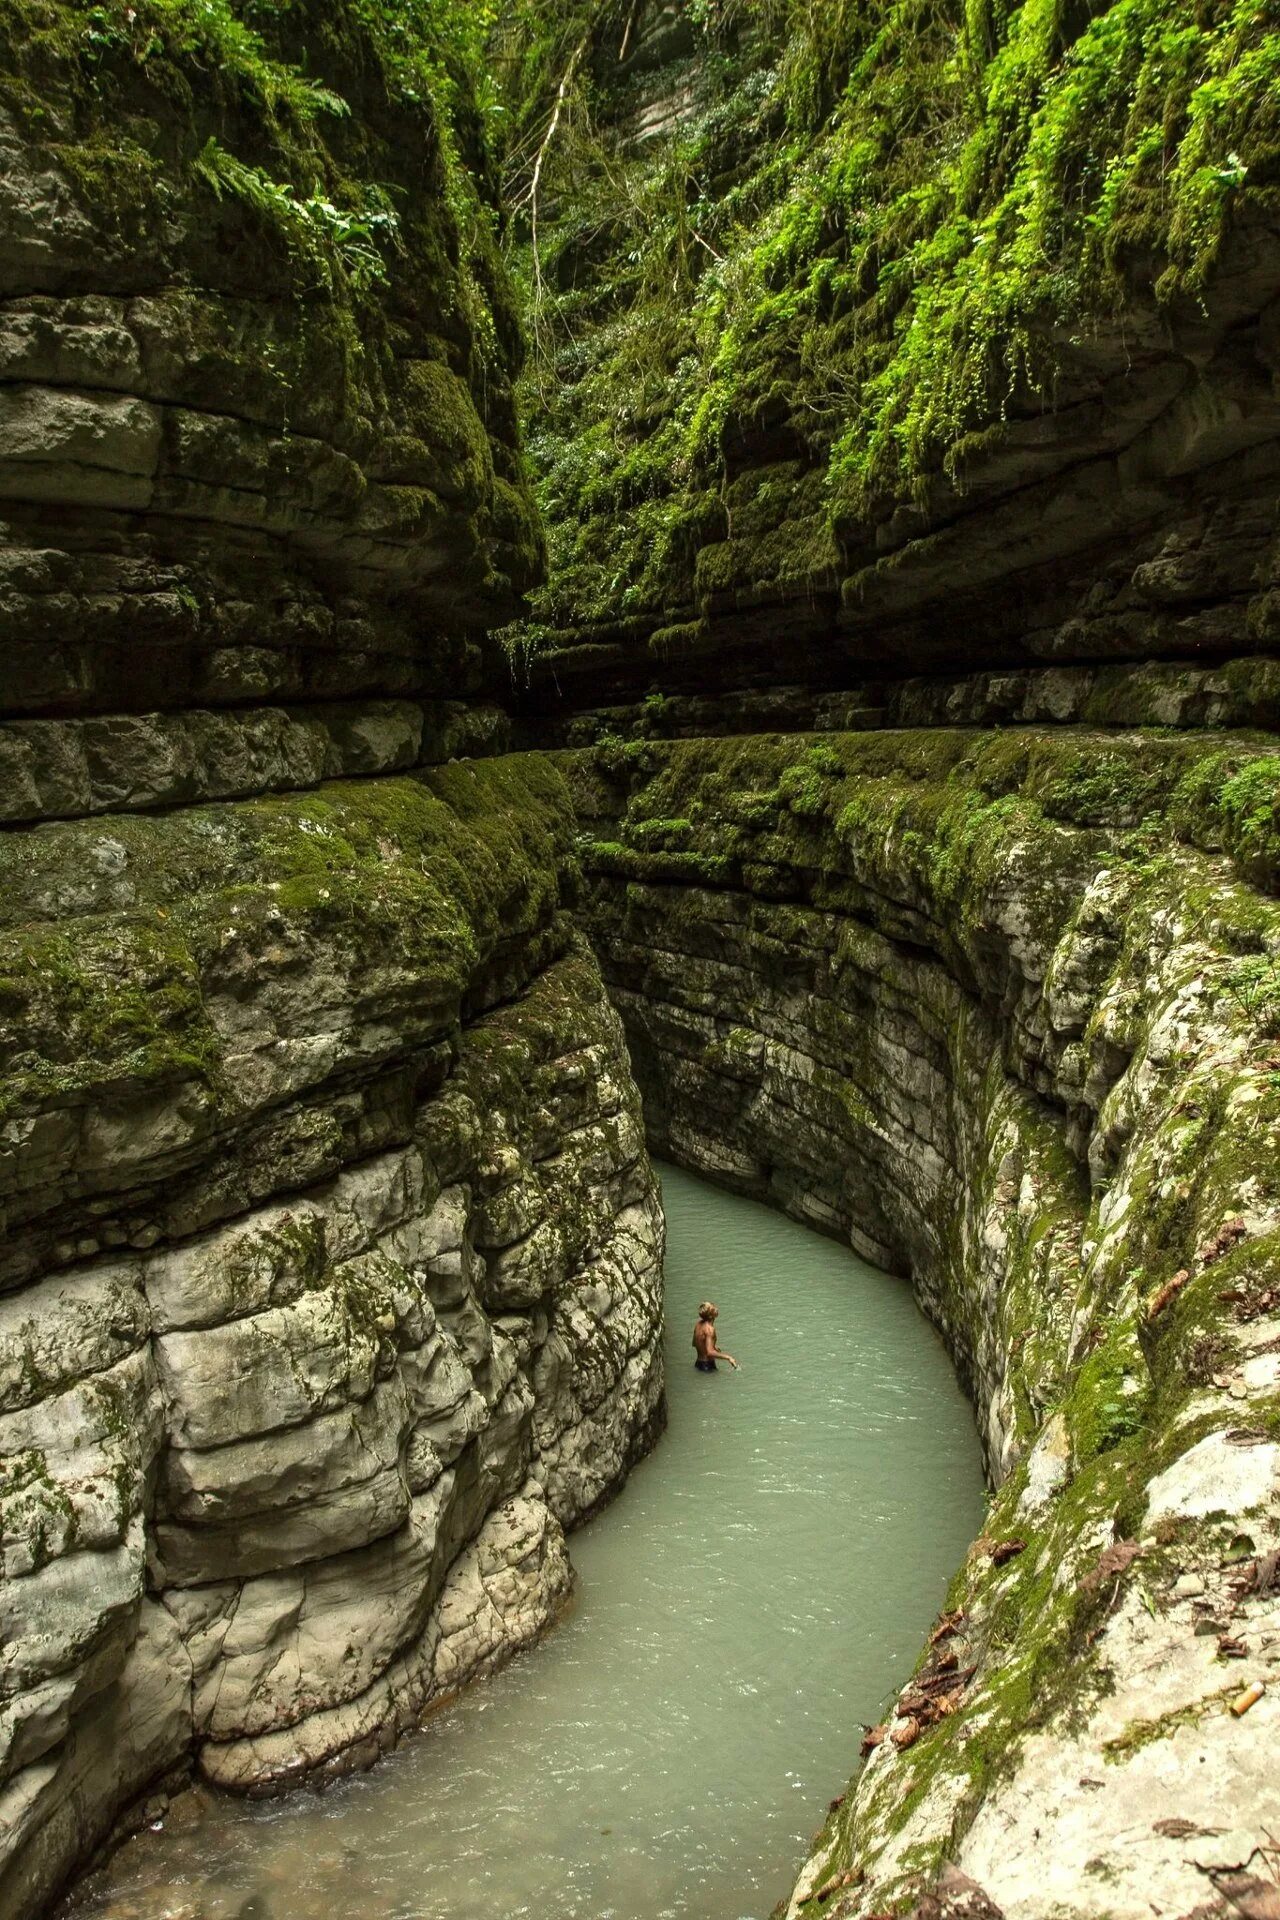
<point x="760" y="1588"/>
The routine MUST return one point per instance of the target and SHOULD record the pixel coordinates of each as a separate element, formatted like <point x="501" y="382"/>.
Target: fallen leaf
<point x="1252" y="1898"/>
<point x="1006" y="1550"/>
<point x="1230" y="1648"/>
<point x="1169" y="1291"/>
<point x="947" y="1703"/>
<point x="1266" y="1572"/>
<point x="906" y="1735"/>
<point x="836" y="1882"/>
<point x="1176" y="1829"/>
<point x="950" y="1623"/>
<point x="1112" y="1562"/>
<point x="871" y="1739"/>
<point x="940" y="1679"/>
<point x="1252" y="1305"/>
<point x="956" y="1897"/>
<point x="1221" y="1242"/>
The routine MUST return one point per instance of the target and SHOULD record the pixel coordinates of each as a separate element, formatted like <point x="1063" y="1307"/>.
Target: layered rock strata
<point x="333" y="1266"/>
<point x="257" y="434"/>
<point x="330" y="1272"/>
<point x="1001" y="1010"/>
<point x="866" y="358"/>
<point x="1135" y="523"/>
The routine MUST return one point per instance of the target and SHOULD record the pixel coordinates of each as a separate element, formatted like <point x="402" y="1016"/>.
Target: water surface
<point x="759" y="1589"/>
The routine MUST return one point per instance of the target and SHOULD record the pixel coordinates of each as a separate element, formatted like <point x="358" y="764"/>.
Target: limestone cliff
<point x="883" y="340"/>
<point x="330" y="1289"/>
<point x="908" y="384"/>
<point x="1001" y="1011"/>
<point x="317" y="1281"/>
<point x="258" y="450"/>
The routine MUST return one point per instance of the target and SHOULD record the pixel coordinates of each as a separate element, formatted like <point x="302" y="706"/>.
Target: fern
<point x="336" y="241"/>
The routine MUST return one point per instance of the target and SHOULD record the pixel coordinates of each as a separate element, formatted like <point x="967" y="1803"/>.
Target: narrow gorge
<point x="578" y="579"/>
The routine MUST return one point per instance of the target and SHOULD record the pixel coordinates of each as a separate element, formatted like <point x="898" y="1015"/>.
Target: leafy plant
<point x="1253" y="985"/>
<point x="334" y="240"/>
<point x="877" y="232"/>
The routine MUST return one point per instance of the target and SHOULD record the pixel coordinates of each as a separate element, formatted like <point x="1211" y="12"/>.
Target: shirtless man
<point x="704" y="1340"/>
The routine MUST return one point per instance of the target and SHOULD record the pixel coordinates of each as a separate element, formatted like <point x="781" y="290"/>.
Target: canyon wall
<point x="260" y="469"/>
<point x="1001" y="1011"/>
<point x="907" y="439"/>
<point x="898" y="368"/>
<point x="334" y="1262"/>
<point x="330" y="1289"/>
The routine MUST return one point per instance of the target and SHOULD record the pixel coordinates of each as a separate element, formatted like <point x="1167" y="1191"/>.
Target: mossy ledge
<point x="1002" y="1010"/>
<point x="877" y="337"/>
<point x="258" y="352"/>
<point x="331" y="1288"/>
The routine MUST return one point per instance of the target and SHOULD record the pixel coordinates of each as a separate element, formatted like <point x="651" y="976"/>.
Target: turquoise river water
<point x="760" y="1588"/>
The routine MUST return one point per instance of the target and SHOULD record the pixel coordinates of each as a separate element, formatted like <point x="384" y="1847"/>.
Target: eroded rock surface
<point x="1001" y="1010"/>
<point x="933" y="375"/>
<point x="354" y="1305"/>
<point x="330" y="1284"/>
<point x="251" y="456"/>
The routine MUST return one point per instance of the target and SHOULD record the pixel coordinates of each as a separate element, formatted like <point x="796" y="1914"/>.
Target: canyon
<point x="868" y="799"/>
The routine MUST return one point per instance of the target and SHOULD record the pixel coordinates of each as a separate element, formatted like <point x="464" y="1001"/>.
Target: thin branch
<point x="562" y="95"/>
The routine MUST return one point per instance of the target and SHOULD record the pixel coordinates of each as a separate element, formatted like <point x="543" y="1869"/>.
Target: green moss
<point x="879" y="234"/>
<point x="1111" y="1398"/>
<point x="1249" y="806"/>
<point x="121" y="1002"/>
<point x="418" y="881"/>
<point x="660" y="836"/>
<point x="328" y="159"/>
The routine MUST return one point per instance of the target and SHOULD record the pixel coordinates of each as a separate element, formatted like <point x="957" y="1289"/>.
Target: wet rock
<point x="919" y="1080"/>
<point x="277" y="1483"/>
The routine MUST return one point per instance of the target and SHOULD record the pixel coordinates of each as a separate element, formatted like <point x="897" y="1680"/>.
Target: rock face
<point x="881" y="346"/>
<point x="330" y="1287"/>
<point x="909" y="441"/>
<point x="334" y="1263"/>
<point x="258" y="450"/>
<point x="1001" y="1011"/>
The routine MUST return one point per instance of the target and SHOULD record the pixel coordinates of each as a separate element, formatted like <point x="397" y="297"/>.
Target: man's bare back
<point x="704" y="1341"/>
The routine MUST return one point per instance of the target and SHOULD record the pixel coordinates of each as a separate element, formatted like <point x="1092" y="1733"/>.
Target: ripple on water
<point x="758" y="1591"/>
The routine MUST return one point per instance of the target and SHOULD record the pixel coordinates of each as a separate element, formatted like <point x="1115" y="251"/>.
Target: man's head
<point x="708" y="1310"/>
